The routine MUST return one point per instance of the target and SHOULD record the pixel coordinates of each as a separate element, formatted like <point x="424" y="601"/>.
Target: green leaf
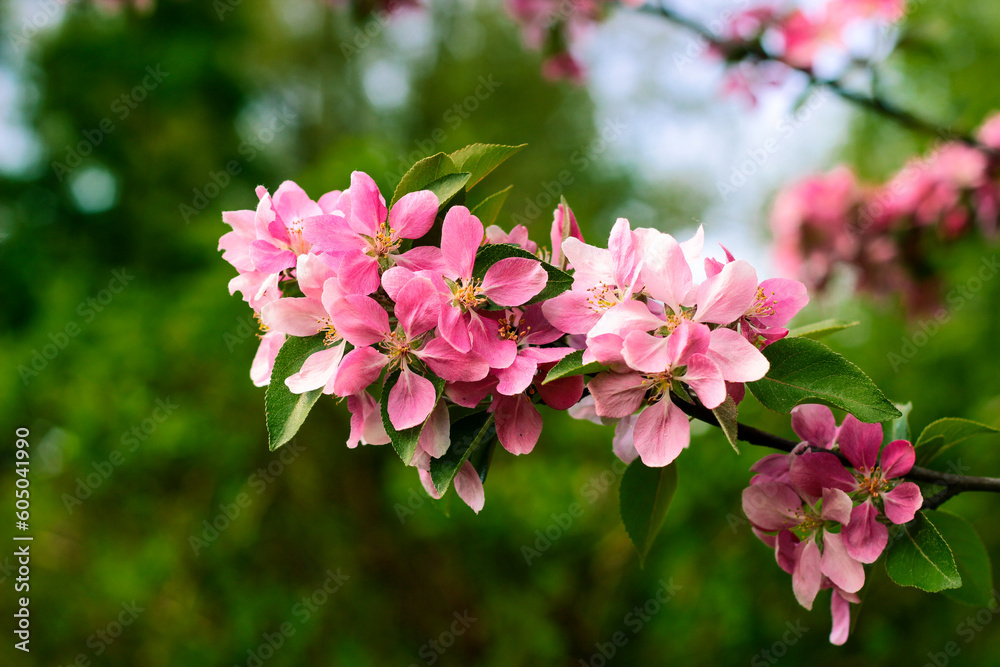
<point x="900" y="429"/>
<point x="480" y="159"/>
<point x="806" y="371"/>
<point x="929" y="450"/>
<point x="447" y="186"/>
<point x="488" y="209"/>
<point x="467" y="434"/>
<point x="284" y="411"/>
<point x="952" y="431"/>
<point x="559" y="281"/>
<point x="405" y="441"/>
<point x="921" y="558"/>
<point x="726" y="414"/>
<point x="437" y="173"/>
<point x="821" y="329"/>
<point x="572" y="364"/>
<point x="971" y="557"/>
<point x="644" y="498"/>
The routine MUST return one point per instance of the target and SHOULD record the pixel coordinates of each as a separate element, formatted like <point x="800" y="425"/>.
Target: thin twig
<point x="737" y="51"/>
<point x="953" y="484"/>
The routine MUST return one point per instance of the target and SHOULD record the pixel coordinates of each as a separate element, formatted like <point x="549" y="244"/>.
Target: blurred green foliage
<point x="174" y="335"/>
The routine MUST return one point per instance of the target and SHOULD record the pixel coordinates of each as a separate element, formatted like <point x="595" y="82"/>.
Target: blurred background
<point x="167" y="534"/>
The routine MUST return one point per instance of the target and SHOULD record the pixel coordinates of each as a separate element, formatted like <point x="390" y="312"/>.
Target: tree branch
<point x="739" y="51"/>
<point x="953" y="484"/>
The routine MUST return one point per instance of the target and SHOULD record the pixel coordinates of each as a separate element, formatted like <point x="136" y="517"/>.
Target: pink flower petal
<point x="786" y="548"/>
<point x="435" y="436"/>
<point x="428" y="482"/>
<point x="561" y="394"/>
<point x="453" y="326"/>
<point x="513" y="281"/>
<point x="570" y="312"/>
<point x="724" y="297"/>
<point x="270" y="259"/>
<point x="624" y="255"/>
<point x="358" y="273"/>
<point x="837" y="506"/>
<point x="263" y="360"/>
<point x="360" y="320"/>
<point x="461" y="235"/>
<point x="840" y="610"/>
<point x="331" y="233"/>
<point x="661" y="432"/>
<point x="815" y="424"/>
<point x="292" y="204"/>
<point x="898" y="458"/>
<point x="625" y="317"/>
<point x="704" y="377"/>
<point x="686" y="340"/>
<point x="901" y="503"/>
<point x="693" y="246"/>
<point x="808" y="575"/>
<point x="413" y="215"/>
<point x="359" y="368"/>
<point x="332" y="201"/>
<point x="367" y="205"/>
<point x="666" y="273"/>
<point x="469" y="487"/>
<point x="843" y="571"/>
<point x="498" y="353"/>
<point x="518" y="423"/>
<point x="394" y="279"/>
<point x="469" y="394"/>
<point x="366" y="422"/>
<point x="295" y="316"/>
<point x="814" y="471"/>
<point x="644" y="352"/>
<point x="623" y="443"/>
<point x="607" y="349"/>
<point x="591" y="266"/>
<point x="517" y="377"/>
<point x="617" y="395"/>
<point x="312" y="273"/>
<point x="860" y="442"/>
<point x="454" y="366"/>
<point x="422" y="258"/>
<point x="418" y="305"/>
<point x="317" y="371"/>
<point x="865" y="537"/>
<point x="738" y="360"/>
<point x="561" y="231"/>
<point x="411" y="400"/>
<point x="785" y="298"/>
<point x="772" y="506"/>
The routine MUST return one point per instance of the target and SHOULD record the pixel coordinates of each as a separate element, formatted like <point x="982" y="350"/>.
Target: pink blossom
<point x="776" y="302"/>
<point x="564" y="226"/>
<point x="602" y="279"/>
<point x="872" y="483"/>
<point x="366" y="238"/>
<point x="686" y="356"/>
<point x="307" y="316"/>
<point x="365" y="324"/>
<point x="509" y="282"/>
<point x="804" y="541"/>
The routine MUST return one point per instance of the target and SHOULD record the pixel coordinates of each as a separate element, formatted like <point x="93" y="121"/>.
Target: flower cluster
<point x="637" y="310"/>
<point x="823" y="519"/>
<point x="436" y="329"/>
<point x="880" y="232"/>
<point x="770" y="40"/>
<point x="780" y="36"/>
